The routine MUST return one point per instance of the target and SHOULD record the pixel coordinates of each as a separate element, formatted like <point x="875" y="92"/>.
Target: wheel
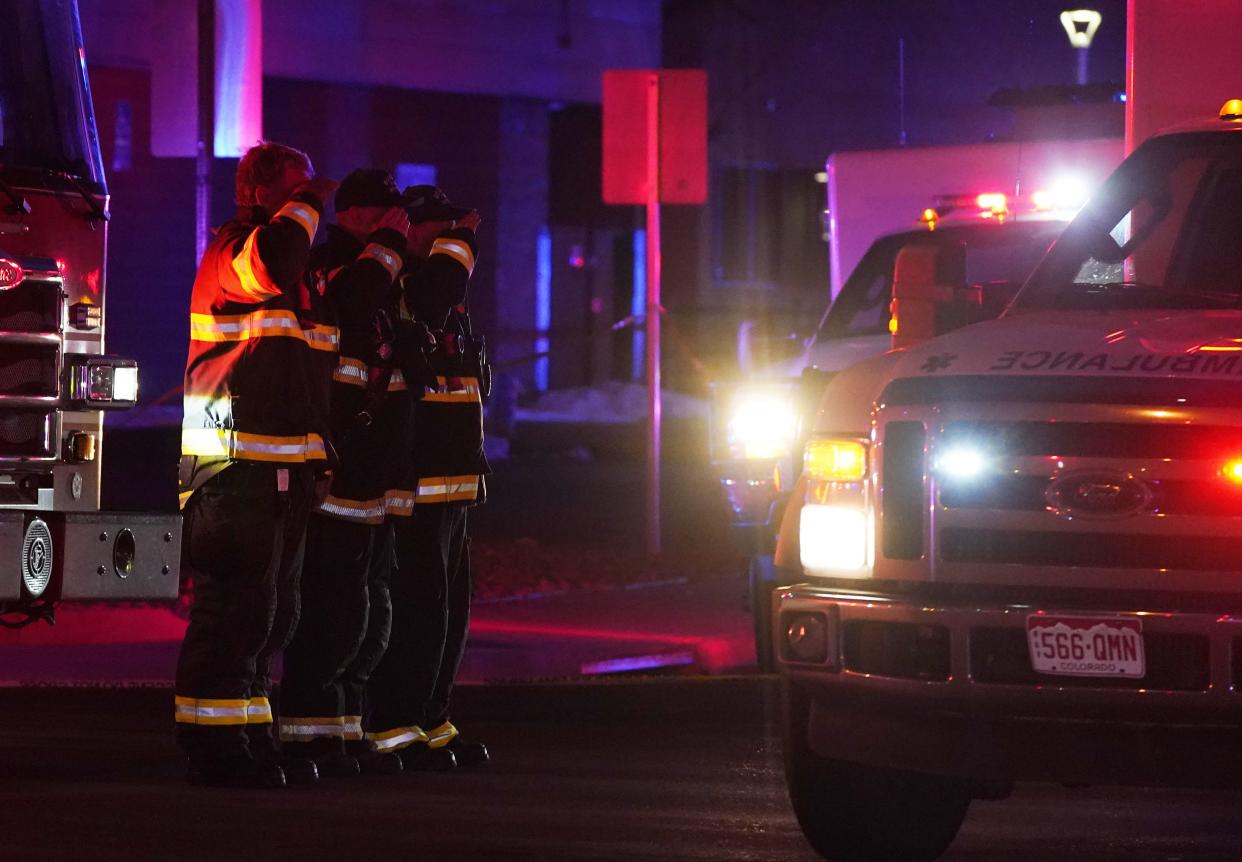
<point x="761" y="576"/>
<point x="854" y="813"/>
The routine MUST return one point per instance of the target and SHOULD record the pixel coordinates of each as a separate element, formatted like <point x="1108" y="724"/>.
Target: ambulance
<point x="758" y="423"/>
<point x="1014" y="552"/>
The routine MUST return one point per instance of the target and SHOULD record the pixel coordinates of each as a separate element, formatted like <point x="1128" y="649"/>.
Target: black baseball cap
<point x="430" y="203"/>
<point x="368" y="187"/>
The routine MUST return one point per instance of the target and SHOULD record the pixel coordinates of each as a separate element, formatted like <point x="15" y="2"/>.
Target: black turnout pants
<point x="244" y="533"/>
<point x="430" y="591"/>
<point x="357" y="673"/>
<point x="335" y="606"/>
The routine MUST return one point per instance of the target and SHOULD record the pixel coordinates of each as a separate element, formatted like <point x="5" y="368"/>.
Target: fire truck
<point x="56" y="379"/>
<point x="1015" y="549"/>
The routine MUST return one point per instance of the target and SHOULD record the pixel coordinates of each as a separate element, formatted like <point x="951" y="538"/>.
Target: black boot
<point x="371" y="760"/>
<point x="298" y="770"/>
<point x="468" y="752"/>
<point x="326" y="753"/>
<point x="420" y="757"/>
<point x="235" y="771"/>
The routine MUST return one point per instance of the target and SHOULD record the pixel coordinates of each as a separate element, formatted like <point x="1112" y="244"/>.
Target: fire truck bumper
<point x="89" y="556"/>
<point x="949" y="688"/>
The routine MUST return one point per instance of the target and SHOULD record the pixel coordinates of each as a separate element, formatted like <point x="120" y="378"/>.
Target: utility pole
<point x="655" y="403"/>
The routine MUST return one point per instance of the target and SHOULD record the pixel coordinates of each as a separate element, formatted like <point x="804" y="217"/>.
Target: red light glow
<point x="1233" y="471"/>
<point x="993" y="201"/>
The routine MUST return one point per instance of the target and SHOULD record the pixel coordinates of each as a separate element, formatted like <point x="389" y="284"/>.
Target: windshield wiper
<point x="97" y="212"/>
<point x="19" y="206"/>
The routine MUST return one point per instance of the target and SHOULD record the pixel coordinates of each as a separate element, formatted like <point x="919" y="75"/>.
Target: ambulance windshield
<point x="1164" y="232"/>
<point x="46" y="121"/>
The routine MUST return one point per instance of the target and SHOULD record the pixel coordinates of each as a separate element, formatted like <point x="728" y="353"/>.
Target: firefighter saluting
<point x="253" y="438"/>
<point x="409" y="692"/>
<point x="328" y="661"/>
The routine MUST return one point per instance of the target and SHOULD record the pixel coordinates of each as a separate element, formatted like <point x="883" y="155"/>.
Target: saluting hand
<point x="394" y="219"/>
<point x="320" y="187"/>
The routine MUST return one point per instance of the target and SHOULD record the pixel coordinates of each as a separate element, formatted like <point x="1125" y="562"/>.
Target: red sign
<point x="682" y="134"/>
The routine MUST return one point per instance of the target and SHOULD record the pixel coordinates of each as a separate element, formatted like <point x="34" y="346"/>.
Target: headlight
<point x="762" y="422"/>
<point x="103" y="382"/>
<point x="836" y="524"/>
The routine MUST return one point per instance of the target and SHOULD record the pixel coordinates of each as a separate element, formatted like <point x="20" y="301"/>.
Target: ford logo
<point x="1099" y="494"/>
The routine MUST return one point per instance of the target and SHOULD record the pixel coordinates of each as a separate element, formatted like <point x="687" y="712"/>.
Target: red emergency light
<point x="986" y="205"/>
<point x="1233" y="471"/>
<point x="11" y="273"/>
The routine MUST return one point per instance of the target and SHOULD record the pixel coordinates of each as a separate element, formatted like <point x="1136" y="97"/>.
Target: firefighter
<point x="409" y="692"/>
<point x="252" y="441"/>
<point x="324" y="670"/>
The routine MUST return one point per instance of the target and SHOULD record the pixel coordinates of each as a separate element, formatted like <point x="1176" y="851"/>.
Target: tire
<point x="854" y="813"/>
<point x="761" y="577"/>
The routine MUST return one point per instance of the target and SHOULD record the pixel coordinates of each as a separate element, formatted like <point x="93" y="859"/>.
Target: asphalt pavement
<point x="663" y="769"/>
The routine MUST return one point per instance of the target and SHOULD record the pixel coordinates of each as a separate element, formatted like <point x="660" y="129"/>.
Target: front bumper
<point x="89" y="552"/>
<point x="944" y="686"/>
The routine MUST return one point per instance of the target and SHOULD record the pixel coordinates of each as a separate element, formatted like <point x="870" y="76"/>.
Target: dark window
<point x="768" y="230"/>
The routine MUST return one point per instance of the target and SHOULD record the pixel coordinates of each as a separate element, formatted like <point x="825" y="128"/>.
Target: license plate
<point x="1086" y="646"/>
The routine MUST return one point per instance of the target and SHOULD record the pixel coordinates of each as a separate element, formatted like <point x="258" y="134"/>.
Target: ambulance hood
<point x="1198" y="344"/>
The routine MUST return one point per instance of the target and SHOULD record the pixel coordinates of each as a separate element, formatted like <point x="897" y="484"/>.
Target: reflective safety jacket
<point x="262" y="347"/>
<point x="446" y="448"/>
<point x="357" y="280"/>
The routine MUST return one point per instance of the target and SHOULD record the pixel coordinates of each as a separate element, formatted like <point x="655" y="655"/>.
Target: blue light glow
<point x="543" y="304"/>
<point x="638" y="305"/>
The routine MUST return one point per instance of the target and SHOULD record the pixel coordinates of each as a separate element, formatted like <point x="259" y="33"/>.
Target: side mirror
<point x="930" y="294"/>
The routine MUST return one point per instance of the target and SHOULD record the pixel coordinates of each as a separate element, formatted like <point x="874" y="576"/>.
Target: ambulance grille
<point x="902" y="499"/>
<point x="1084" y="482"/>
<point x="1091" y="550"/>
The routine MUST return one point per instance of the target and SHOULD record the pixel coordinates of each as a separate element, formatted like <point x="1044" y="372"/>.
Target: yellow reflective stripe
<point x="262" y="324"/>
<point x="206" y="710"/>
<point x="183" y="498"/>
<point x="351" y="727"/>
<point x="457" y="250"/>
<point x="363" y="511"/>
<point x="323" y="337"/>
<point x="252" y="275"/>
<point x="384" y="256"/>
<point x="447" y="489"/>
<point x="304" y="214"/>
<point x="454" y="390"/>
<point x="397" y="738"/>
<point x="301" y="728"/>
<point x="441" y="736"/>
<point x="242" y="327"/>
<point x="452" y="397"/>
<point x="259" y="711"/>
<point x="399" y="503"/>
<point x="208" y="442"/>
<point x="352" y="372"/>
<point x="223" y="443"/>
<point x="268" y="448"/>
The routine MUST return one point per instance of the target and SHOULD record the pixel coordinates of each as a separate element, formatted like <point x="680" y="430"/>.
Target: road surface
<point x="661" y="769"/>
